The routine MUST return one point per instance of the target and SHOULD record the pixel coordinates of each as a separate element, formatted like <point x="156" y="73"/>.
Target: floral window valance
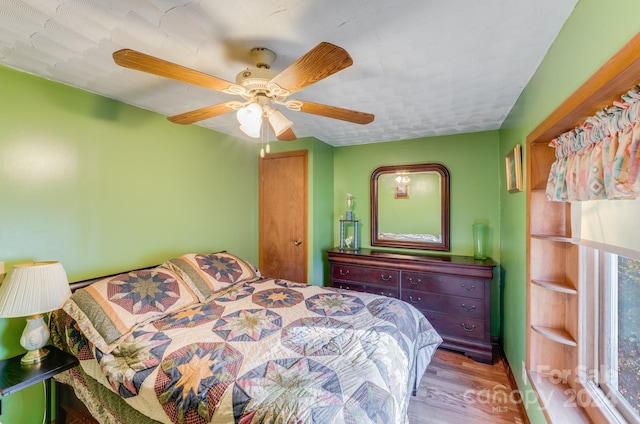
<point x="600" y="159"/>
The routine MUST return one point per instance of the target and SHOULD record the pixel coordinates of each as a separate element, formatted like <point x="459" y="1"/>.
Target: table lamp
<point x="30" y="290"/>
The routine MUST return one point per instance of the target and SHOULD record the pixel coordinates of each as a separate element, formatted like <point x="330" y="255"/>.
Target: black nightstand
<point x="15" y="376"/>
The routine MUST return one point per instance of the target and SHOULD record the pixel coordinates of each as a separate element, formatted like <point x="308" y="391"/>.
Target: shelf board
<point x="552" y="285"/>
<point x="552" y="238"/>
<point x="555" y="334"/>
<point x="555" y="397"/>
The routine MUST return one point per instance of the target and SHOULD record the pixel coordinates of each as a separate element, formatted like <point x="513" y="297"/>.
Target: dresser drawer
<point x="456" y="326"/>
<point x="367" y="288"/>
<point x="454" y="305"/>
<point x="453" y="292"/>
<point x="445" y="284"/>
<point x="378" y="276"/>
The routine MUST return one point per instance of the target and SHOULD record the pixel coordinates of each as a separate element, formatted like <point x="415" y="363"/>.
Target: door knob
<point x="297" y="242"/>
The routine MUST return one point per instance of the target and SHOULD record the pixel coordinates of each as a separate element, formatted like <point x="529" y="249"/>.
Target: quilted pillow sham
<point x="208" y="273"/>
<point x="114" y="306"/>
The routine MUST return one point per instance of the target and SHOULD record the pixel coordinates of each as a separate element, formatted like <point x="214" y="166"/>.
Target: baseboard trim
<point x="512" y="383"/>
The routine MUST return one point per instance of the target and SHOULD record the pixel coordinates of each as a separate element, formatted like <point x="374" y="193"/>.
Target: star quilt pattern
<point x="266" y="351"/>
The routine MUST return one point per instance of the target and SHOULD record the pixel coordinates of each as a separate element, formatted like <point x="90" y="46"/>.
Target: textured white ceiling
<point x="422" y="67"/>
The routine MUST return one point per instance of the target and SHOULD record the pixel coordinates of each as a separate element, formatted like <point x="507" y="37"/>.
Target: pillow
<point x="114" y="306"/>
<point x="212" y="272"/>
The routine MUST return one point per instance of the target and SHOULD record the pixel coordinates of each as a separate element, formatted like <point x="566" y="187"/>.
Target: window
<point x="615" y="330"/>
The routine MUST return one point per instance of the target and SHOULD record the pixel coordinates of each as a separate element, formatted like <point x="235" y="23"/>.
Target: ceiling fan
<point x="260" y="87"/>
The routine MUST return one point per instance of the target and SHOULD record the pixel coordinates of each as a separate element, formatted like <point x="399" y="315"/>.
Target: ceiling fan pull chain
<point x="263" y="135"/>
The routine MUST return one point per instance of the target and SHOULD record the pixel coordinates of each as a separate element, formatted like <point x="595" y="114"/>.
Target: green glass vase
<point x="479" y="241"/>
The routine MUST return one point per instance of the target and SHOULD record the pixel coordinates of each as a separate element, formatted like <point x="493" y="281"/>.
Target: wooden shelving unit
<point x="555" y="347"/>
<point x="556" y="334"/>
<point x="556" y="409"/>
<point x="552" y="275"/>
<point x="552" y="285"/>
<point x="552" y="288"/>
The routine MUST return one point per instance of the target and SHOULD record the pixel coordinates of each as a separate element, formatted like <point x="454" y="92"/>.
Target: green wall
<point x="102" y="187"/>
<point x="475" y="169"/>
<point x="595" y="31"/>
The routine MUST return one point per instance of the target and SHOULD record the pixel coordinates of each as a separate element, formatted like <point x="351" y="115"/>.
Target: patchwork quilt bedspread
<point x="265" y="351"/>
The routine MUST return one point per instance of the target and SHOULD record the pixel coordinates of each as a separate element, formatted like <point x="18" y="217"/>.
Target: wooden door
<point x="283" y="216"/>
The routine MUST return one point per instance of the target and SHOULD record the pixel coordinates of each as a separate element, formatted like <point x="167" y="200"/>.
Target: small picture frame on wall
<point x="513" y="163"/>
<point x="402" y="191"/>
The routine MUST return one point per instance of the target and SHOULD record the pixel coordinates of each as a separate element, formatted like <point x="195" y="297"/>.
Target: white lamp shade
<point x="251" y="133"/>
<point x="279" y="122"/>
<point x="250" y="117"/>
<point x="33" y="288"/>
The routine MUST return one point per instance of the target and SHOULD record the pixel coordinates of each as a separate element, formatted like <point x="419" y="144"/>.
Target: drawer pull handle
<point x="471" y="309"/>
<point x="418" y="300"/>
<point x="387" y="278"/>
<point x="468" y="288"/>
<point x="416" y="283"/>
<point x="343" y="272"/>
<point x="344" y="288"/>
<point x="473" y="327"/>
<point x="386" y="294"/>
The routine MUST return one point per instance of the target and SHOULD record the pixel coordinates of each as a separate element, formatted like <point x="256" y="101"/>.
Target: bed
<point x="204" y="338"/>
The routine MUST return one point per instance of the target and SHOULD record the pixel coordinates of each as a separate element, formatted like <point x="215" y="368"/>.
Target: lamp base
<point x="34" y="356"/>
<point x="34" y="338"/>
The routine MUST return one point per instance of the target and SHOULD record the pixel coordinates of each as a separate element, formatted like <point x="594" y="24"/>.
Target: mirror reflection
<point x="410" y="207"/>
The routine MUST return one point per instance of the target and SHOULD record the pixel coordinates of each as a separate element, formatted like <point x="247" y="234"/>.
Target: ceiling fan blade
<point x="200" y="114"/>
<point x="336" y="112"/>
<point x="143" y="62"/>
<point x="287" y="135"/>
<point x="323" y="60"/>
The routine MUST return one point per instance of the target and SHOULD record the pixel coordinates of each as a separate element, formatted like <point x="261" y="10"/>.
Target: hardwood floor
<point x="455" y="389"/>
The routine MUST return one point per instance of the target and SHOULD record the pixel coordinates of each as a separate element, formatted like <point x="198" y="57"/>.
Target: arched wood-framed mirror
<point x="410" y="206"/>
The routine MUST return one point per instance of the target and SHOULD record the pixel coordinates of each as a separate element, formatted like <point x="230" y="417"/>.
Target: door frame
<point x="305" y="207"/>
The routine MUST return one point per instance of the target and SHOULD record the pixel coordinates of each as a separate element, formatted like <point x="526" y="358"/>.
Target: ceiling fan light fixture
<point x="403" y="178"/>
<point x="250" y="117"/>
<point x="251" y="132"/>
<point x="259" y="87"/>
<point x="279" y="122"/>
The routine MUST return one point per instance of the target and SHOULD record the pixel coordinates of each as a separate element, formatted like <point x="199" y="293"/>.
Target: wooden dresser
<point x="453" y="292"/>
